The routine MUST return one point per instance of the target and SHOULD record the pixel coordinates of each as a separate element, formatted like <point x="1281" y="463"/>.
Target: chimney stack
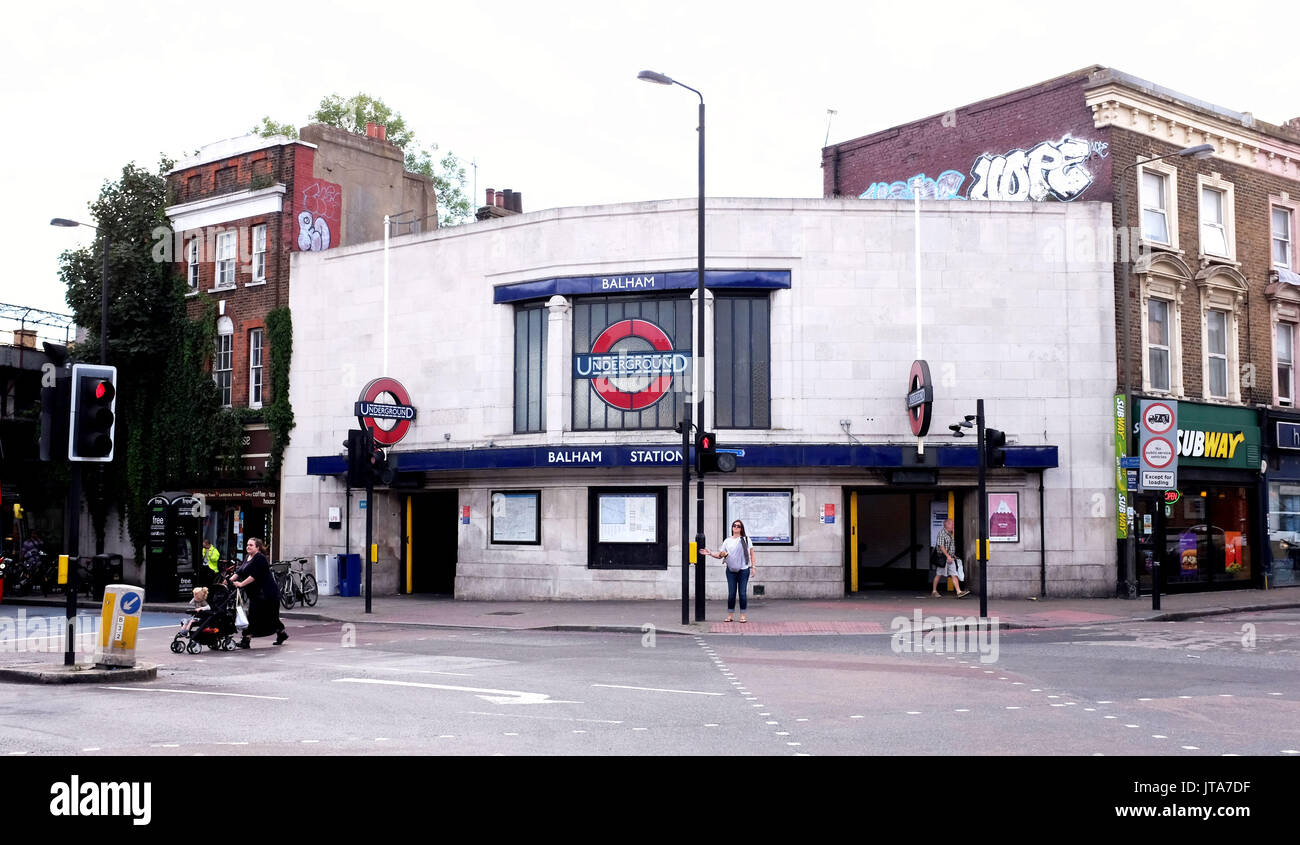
<point x="371" y="130"/>
<point x="500" y="203"/>
<point x="383" y="132"/>
<point x="491" y="197"/>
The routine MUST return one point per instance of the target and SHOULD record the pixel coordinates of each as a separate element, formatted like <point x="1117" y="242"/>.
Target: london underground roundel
<point x="385" y="407"/>
<point x="631" y="364"/>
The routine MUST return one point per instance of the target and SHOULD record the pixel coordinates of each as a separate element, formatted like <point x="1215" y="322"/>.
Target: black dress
<point x="263" y="597"/>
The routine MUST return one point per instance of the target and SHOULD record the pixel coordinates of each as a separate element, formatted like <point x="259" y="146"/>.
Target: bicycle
<point x="296" y="585"/>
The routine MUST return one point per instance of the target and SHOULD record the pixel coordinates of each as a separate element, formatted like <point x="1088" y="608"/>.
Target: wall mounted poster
<point x="1004" y="517"/>
<point x="628" y="518"/>
<point x="767" y="514"/>
<point x="514" y="517"/>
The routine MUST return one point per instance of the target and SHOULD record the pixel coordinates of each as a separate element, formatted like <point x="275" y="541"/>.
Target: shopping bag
<point x="241" y="616"/>
<point x="961" y="570"/>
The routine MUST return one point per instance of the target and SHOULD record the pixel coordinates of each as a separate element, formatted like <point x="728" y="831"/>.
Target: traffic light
<point x="708" y="458"/>
<point x="379" y="467"/>
<point x="995" y="452"/>
<point x="54" y="417"/>
<point x="91" y="422"/>
<point x="359" y="449"/>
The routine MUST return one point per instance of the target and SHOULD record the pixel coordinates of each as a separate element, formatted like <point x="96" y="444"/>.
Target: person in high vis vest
<point x="211" y="557"/>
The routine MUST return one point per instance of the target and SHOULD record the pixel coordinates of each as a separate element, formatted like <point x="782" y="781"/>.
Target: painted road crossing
<point x="496" y="696"/>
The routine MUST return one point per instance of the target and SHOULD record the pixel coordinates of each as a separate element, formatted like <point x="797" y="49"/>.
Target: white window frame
<point x="223" y="367"/>
<point x="1170" y="174"/>
<point x="193" y="251"/>
<point x="1164" y="280"/>
<point x="256" y="353"/>
<point x="259" y="255"/>
<point x="1228" y="226"/>
<point x="1149" y="344"/>
<point x="1288" y="400"/>
<point x="1212" y="356"/>
<point x="224" y="263"/>
<point x="1292" y="209"/>
<point x="1222" y="290"/>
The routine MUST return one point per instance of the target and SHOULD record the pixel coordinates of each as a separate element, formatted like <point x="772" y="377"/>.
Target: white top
<point x="737" y="556"/>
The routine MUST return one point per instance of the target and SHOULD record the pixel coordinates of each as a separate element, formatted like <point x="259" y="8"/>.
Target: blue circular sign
<point x="131" y="603"/>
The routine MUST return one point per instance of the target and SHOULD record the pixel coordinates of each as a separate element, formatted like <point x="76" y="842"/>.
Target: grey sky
<point x="544" y="96"/>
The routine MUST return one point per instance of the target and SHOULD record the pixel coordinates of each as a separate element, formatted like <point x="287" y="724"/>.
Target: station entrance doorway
<point x="432" y="543"/>
<point x="889" y="535"/>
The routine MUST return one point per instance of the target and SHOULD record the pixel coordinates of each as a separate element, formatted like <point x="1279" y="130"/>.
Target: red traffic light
<point x="706" y="442"/>
<point x="104" y="390"/>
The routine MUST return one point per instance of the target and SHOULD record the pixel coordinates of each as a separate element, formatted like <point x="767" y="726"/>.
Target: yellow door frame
<point x="853" y="541"/>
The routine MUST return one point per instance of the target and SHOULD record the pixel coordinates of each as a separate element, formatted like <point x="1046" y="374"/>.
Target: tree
<point x="352" y="114"/>
<point x="160" y="356"/>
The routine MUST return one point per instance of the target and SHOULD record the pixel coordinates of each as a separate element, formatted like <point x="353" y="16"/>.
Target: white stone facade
<point x="1017" y="309"/>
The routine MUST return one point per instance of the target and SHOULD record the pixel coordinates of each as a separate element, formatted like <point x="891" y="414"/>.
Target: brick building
<point x="239" y="209"/>
<point x="1207" y="256"/>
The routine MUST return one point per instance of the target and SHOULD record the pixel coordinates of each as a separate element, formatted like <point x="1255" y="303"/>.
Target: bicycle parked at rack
<point x="295" y="583"/>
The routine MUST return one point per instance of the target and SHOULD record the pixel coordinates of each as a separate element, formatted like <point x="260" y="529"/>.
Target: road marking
<point x="1110" y="717"/>
<point x="496" y="696"/>
<point x="640" y="729"/>
<point x="857" y="717"/>
<point x="711" y="725"/>
<point x="197" y="692"/>
<point x="1145" y="699"/>
<point x="657" y="689"/>
<point x="801" y="720"/>
<point x="15" y="753"/>
<point x="550" y="718"/>
<point x="308" y="741"/>
<point x="386" y="669"/>
<point x="1290" y="751"/>
<point x="1132" y="726"/>
<point x="770" y="722"/>
<point x="1159" y="736"/>
<point x="961" y="710"/>
<point x="794" y="743"/>
<point x="1013" y="707"/>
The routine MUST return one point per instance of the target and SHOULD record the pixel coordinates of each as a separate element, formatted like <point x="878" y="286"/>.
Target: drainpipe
<point x="1042" y="541"/>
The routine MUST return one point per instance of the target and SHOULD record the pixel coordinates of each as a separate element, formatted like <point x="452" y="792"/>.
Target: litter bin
<point x="349" y="575"/>
<point x="105" y="569"/>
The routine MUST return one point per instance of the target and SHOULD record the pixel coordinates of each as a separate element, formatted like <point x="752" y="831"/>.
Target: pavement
<point x="865" y="613"/>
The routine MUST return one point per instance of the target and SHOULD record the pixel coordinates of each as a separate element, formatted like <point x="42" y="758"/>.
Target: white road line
<point x="549" y="718"/>
<point x="496" y="696"/>
<point x="197" y="692"/>
<point x="1190" y="748"/>
<point x="656" y="689"/>
<point x="93" y="748"/>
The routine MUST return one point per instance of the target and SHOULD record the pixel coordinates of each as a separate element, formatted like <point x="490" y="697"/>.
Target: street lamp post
<point x="103" y="285"/>
<point x="661" y="79"/>
<point x="1199" y="151"/>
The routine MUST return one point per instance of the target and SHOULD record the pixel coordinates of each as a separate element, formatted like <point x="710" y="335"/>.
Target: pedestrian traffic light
<point x="359" y="449"/>
<point x="91" y="422"/>
<point x="995" y="453"/>
<point x="708" y="458"/>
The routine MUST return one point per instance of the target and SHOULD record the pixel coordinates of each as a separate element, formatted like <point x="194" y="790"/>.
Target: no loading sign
<point x="385" y="407"/>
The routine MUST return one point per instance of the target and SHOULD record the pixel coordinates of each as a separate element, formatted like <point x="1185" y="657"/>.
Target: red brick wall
<point x="956" y="140"/>
<point x="248" y="303"/>
<point x="1251" y="217"/>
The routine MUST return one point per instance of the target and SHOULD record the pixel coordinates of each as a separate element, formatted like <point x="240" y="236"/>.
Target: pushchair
<point x="214" y="627"/>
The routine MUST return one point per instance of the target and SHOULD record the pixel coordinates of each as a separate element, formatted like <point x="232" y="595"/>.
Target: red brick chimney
<point x="500" y="204"/>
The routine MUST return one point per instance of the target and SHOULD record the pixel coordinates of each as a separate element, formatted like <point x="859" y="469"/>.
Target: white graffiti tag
<point x="313" y="234"/>
<point x="1052" y="168"/>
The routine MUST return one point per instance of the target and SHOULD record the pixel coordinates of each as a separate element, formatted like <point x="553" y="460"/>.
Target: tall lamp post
<point x="103" y="285"/>
<point x="72" y="507"/>
<point x="1199" y="151"/>
<point x="661" y="79"/>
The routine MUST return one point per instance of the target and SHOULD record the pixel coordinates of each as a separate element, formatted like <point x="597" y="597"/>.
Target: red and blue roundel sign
<point x="631" y="364"/>
<point x="385" y="407"/>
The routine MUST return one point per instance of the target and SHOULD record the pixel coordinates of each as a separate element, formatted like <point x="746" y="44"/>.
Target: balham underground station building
<point x="547" y="357"/>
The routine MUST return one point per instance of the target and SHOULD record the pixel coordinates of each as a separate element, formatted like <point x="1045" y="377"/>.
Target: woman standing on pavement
<point x="263" y="598"/>
<point x="739" y="554"/>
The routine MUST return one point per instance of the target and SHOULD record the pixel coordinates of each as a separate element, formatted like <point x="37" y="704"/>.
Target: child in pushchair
<point x="212" y="621"/>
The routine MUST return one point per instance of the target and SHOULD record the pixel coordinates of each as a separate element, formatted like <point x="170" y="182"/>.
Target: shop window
<point x="631" y="362"/>
<point x="1284" y="533"/>
<point x="530" y="367"/>
<point x="742" y="362"/>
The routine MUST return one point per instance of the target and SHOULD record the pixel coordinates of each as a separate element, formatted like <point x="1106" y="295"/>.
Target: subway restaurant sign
<point x="1223" y="438"/>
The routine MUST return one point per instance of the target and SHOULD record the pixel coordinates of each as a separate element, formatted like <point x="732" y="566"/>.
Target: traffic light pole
<point x="72" y="546"/>
<point x="981" y="552"/>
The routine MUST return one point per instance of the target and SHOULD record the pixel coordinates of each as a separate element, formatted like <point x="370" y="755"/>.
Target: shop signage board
<point x="1121" y="476"/>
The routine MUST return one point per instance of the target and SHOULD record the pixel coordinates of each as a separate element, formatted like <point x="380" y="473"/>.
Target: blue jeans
<point x="737" y="579"/>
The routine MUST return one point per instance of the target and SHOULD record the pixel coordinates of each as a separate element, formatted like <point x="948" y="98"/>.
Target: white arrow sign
<point x="496" y="696"/>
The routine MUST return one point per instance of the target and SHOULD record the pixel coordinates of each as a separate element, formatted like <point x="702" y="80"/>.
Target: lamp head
<point x="651" y="76"/>
<point x="1199" y="151"/>
<point x="67" y="224"/>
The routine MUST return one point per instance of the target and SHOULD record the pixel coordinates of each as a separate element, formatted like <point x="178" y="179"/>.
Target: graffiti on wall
<point x="946" y="186"/>
<point x="319" y="212"/>
<point x="1051" y="169"/>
